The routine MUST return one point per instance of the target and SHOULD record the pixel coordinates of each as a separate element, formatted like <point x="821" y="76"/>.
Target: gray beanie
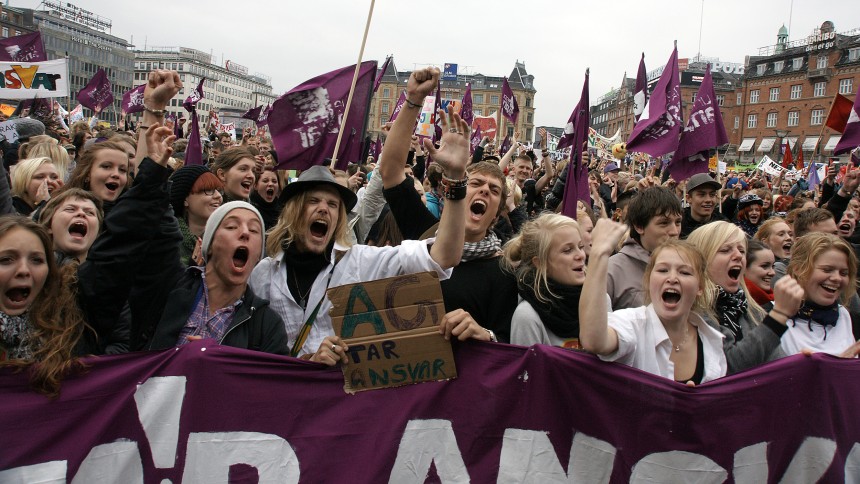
<point x="215" y="220"/>
<point x="29" y="127"/>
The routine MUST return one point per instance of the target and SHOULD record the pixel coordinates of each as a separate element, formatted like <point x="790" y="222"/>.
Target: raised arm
<point x="594" y="332"/>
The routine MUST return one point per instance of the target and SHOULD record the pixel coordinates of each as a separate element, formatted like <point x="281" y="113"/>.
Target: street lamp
<point x="781" y="134"/>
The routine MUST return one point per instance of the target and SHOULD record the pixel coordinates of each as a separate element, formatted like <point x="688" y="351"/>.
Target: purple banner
<point x="132" y="101"/>
<point x="510" y="108"/>
<point x="466" y="109"/>
<point x="23" y="48"/>
<point x="381" y="73"/>
<point x="576" y="183"/>
<point x="398" y="106"/>
<point x="705" y="131"/>
<point x="97" y="94"/>
<point x="209" y="413"/>
<point x="305" y="122"/>
<point x="475" y="139"/>
<point x="195" y="97"/>
<point x="437" y="120"/>
<point x="253" y="113"/>
<point x="640" y="94"/>
<point x="656" y="132"/>
<point x="263" y="118"/>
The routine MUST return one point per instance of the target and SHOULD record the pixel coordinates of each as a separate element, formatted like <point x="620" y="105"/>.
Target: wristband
<point x="412" y="104"/>
<point x="454" y="189"/>
<point x="154" y="112"/>
<point x="781" y="313"/>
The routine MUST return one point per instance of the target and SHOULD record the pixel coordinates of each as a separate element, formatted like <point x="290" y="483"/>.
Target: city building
<point x="84" y="37"/>
<point x="229" y="90"/>
<point x="788" y="89"/>
<point x="12" y="22"/>
<point x="486" y="96"/>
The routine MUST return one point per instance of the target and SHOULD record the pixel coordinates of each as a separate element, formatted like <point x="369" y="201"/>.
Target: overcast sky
<point x="292" y="41"/>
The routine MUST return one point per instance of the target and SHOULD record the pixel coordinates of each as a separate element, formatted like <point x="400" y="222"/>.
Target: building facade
<point x="486" y="97"/>
<point x="788" y="90"/>
<point x="229" y="90"/>
<point x="13" y="22"/>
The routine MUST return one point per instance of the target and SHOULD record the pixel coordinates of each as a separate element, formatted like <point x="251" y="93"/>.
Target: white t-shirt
<point x="643" y="343"/>
<point x="801" y="334"/>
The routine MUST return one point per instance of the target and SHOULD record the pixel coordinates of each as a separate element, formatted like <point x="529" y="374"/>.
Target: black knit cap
<point x="180" y="186"/>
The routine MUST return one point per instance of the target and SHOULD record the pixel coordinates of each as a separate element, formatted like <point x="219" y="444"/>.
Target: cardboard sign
<point x="392" y="329"/>
<point x="9" y="130"/>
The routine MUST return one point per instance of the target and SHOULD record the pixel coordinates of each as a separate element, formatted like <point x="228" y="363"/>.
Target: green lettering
<point x="376" y="379"/>
<point x="437" y="368"/>
<point x="352" y="320"/>
<point x="399" y="374"/>
<point x="48" y="81"/>
<point x="356" y="378"/>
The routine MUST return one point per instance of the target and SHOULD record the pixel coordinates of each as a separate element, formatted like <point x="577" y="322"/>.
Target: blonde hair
<point x="708" y="239"/>
<point x="58" y="155"/>
<point x="526" y="256"/>
<point x="765" y="230"/>
<point x="806" y="251"/>
<point x="292" y="222"/>
<point x="24" y="171"/>
<point x="692" y="255"/>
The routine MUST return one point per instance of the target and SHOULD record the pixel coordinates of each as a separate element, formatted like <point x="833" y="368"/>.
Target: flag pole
<point x="352" y="87"/>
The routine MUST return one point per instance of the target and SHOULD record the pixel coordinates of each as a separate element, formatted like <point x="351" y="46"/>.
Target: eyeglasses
<point x="210" y="192"/>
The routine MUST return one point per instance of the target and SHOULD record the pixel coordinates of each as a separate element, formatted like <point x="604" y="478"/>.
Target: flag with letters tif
<point x="657" y="130"/>
<point x="705" y="131"/>
<point x="97" y="94"/>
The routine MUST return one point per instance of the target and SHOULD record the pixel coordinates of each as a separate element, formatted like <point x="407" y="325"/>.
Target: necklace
<point x="683" y="341"/>
<point x="303" y="299"/>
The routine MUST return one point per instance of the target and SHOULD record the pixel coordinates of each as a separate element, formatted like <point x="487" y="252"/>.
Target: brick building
<point x="486" y="96"/>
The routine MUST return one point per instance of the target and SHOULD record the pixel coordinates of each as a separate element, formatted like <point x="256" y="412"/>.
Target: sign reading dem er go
<point x="392" y="329"/>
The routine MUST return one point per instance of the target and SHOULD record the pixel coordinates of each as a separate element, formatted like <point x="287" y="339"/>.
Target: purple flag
<point x="376" y="149"/>
<point x="437" y="106"/>
<point x="476" y="139"/>
<point x="397" y="107"/>
<point x="657" y="131"/>
<point x="813" y="179"/>
<point x="506" y="145"/>
<point x="851" y="135"/>
<point x="253" y="113"/>
<point x="263" y="118"/>
<point x="855" y="157"/>
<point x="705" y="131"/>
<point x="132" y="101"/>
<point x="194" y="150"/>
<point x="510" y="108"/>
<point x="23" y="48"/>
<point x="196" y="95"/>
<point x="466" y="109"/>
<point x="305" y="122"/>
<point x="576" y="183"/>
<point x="381" y="73"/>
<point x="97" y="94"/>
<point x="40" y="108"/>
<point x="640" y="94"/>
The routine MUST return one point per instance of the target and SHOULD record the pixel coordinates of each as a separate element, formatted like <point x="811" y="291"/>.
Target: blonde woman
<point x="548" y="260"/>
<point x="33" y="182"/>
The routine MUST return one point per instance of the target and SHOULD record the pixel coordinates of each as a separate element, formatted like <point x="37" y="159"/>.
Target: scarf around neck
<point x="759" y="295"/>
<point x="810" y="312"/>
<point x="561" y="314"/>
<point x="486" y="247"/>
<point x="730" y="309"/>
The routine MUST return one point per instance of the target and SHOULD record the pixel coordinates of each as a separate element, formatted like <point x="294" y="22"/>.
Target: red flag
<point x="787" y="159"/>
<point x="839" y="113"/>
<point x="799" y="164"/>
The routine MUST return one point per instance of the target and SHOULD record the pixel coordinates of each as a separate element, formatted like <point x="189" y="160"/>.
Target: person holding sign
<point x="309" y="246"/>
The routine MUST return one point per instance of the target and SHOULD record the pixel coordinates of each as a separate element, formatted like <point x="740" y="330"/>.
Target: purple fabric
<point x="476" y="139"/>
<point x="513" y="414"/>
<point x="851" y="135"/>
<point x="195" y="97"/>
<point x="37" y="107"/>
<point x="381" y="73"/>
<point x="466" y="109"/>
<point x="705" y="131"/>
<point x="253" y="113"/>
<point x="813" y="179"/>
<point x="506" y="145"/>
<point x="640" y="92"/>
<point x="398" y="106"/>
<point x="23" y="48"/>
<point x="305" y="122"/>
<point x="263" y="118"/>
<point x="97" y="94"/>
<point x="132" y="101"/>
<point x="194" y="150"/>
<point x="510" y="108"/>
<point x="576" y="183"/>
<point x="437" y="106"/>
<point x="657" y="131"/>
<point x="855" y="157"/>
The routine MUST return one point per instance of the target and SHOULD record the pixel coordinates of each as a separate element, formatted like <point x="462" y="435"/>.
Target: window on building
<point x="771" y="120"/>
<point x="822" y="62"/>
<point x="693" y="97"/>
<point x="478" y="111"/>
<point x="528" y="102"/>
<point x="4" y="15"/>
<point x="796" y="91"/>
<point x="797" y="63"/>
<point x="384" y="108"/>
<point x="846" y="86"/>
<point x="737" y="122"/>
<point x="5" y="31"/>
<point x="778" y="65"/>
<point x="529" y="118"/>
<point x="752" y="121"/>
<point x="759" y="69"/>
<point x="754" y="96"/>
<point x="774" y="94"/>
<point x="818" y="91"/>
<point x="817" y="117"/>
<point x="386" y="92"/>
<point x="793" y="118"/>
<point x="479" y="99"/>
<point x="494" y="99"/>
<point x="720" y="99"/>
<point x="740" y="98"/>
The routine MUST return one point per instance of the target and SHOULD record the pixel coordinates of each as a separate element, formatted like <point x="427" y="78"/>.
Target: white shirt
<point x="801" y="335"/>
<point x="360" y="263"/>
<point x="643" y="343"/>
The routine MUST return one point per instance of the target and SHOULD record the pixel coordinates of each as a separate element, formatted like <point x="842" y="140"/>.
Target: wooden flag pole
<point x="352" y="87"/>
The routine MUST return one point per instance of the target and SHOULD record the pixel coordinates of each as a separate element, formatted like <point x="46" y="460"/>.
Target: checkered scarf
<point x="486" y="247"/>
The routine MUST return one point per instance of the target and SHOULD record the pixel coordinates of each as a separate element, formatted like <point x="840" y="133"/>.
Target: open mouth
<point x="270" y="192"/>
<point x="246" y="185"/>
<point x="735" y="273"/>
<point x="78" y="230"/>
<point x="240" y="257"/>
<point x="478" y="208"/>
<point x="832" y="290"/>
<point x="671" y="296"/>
<point x="319" y="228"/>
<point x="18" y="294"/>
<point x="787" y="247"/>
<point x="845" y="228"/>
<point x="112" y="186"/>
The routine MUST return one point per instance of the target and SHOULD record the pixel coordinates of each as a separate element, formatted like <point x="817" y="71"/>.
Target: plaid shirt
<point x="200" y="323"/>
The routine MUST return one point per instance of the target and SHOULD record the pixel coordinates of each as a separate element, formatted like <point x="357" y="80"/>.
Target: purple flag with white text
<point x="657" y="131"/>
<point x="510" y="108"/>
<point x="97" y="94"/>
<point x="305" y="122"/>
<point x="475" y="140"/>
<point x="398" y="106"/>
<point x="466" y="109"/>
<point x="705" y="131"/>
<point x="851" y="136"/>
<point x="194" y="151"/>
<point x="132" y="101"/>
<point x="253" y="113"/>
<point x="381" y="73"/>
<point x="640" y="93"/>
<point x="576" y="183"/>
<point x="263" y="117"/>
<point x="23" y="48"/>
<point x="195" y="97"/>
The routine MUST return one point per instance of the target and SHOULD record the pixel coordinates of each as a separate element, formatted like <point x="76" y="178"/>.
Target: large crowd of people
<point x="109" y="243"/>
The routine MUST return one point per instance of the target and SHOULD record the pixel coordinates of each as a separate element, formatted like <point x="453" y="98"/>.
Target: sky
<point x="293" y="41"/>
